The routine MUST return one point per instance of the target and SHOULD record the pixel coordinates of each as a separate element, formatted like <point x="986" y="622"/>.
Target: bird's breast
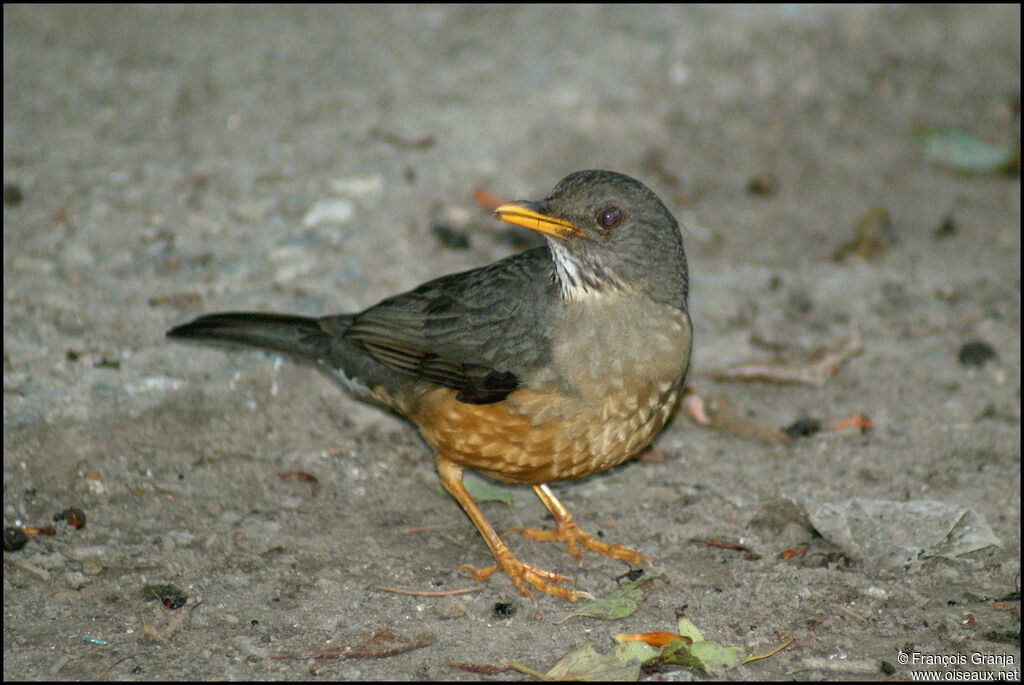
<point x="619" y="344"/>
<point x="611" y="382"/>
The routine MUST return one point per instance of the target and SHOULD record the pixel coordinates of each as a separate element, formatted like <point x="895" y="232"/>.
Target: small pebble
<point x="764" y="184"/>
<point x="947" y="229"/>
<point x="74" y="580"/>
<point x="334" y="210"/>
<point x="245" y="644"/>
<point x="976" y="353"/>
<point x="450" y="237"/>
<point x="92" y="566"/>
<point x="171" y="597"/>
<point x="357" y="185"/>
<point x="450" y="607"/>
<point x="14" y="539"/>
<point x="802" y="428"/>
<point x="13" y="194"/>
<point x="71" y="517"/>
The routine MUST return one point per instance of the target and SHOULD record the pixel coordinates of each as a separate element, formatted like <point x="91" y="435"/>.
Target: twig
<point x="429" y="593"/>
<point x="789" y="639"/>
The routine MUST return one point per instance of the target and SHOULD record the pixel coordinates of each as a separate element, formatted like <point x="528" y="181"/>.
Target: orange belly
<point x="539" y="437"/>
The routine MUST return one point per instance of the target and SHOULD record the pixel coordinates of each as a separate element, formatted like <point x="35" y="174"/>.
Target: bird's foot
<point x="569" y="532"/>
<point x="518" y="572"/>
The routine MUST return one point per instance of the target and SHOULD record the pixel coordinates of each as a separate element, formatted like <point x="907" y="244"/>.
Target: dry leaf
<point x="726" y="416"/>
<point x="810" y="367"/>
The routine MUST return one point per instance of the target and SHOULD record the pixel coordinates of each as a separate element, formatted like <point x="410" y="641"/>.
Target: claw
<point x="518" y="571"/>
<point x="568" y="531"/>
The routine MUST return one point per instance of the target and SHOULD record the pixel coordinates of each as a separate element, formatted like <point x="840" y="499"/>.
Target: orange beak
<point x="520" y="214"/>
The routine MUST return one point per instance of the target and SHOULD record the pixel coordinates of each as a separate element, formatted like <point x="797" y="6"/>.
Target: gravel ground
<point x="160" y="162"/>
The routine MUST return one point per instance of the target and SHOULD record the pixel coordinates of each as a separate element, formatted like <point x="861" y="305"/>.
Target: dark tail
<point x="297" y="336"/>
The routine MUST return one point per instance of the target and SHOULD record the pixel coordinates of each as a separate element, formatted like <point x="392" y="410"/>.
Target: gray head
<point x="607" y="232"/>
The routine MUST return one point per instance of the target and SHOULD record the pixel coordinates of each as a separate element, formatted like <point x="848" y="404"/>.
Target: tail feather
<point x="297" y="336"/>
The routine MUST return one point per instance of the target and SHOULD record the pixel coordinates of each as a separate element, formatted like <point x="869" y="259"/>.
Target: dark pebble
<point x="12" y="195"/>
<point x="976" y="353"/>
<point x="801" y="428"/>
<point x="504" y="609"/>
<point x="947" y="229"/>
<point x="14" y="539"/>
<point x="763" y="184"/>
<point x="450" y="237"/>
<point x="75" y="518"/>
<point x="171" y="597"/>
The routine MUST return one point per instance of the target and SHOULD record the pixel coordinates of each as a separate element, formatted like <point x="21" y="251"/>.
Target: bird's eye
<point x="610" y="217"/>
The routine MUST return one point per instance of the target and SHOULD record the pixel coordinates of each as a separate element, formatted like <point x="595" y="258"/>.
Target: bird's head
<point x="607" y="232"/>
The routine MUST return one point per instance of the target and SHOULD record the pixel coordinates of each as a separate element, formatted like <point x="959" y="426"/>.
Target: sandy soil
<point x="169" y="160"/>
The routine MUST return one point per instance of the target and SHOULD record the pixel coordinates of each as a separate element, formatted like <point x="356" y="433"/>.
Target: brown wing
<point x="476" y="332"/>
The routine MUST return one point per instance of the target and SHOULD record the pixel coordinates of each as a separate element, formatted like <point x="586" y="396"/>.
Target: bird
<point x="549" y="365"/>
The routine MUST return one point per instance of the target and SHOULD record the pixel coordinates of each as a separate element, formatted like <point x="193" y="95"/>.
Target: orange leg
<point x="517" y="571"/>
<point x="567" y="530"/>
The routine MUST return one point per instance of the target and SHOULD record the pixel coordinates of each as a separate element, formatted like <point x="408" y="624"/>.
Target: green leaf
<point x="482" y="490"/>
<point x="709" y="657"/>
<point x="619" y="603"/>
<point x="687" y="629"/>
<point x="964" y="152"/>
<point x="584" y="663"/>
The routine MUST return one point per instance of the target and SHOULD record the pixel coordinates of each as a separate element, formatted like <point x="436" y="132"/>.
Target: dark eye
<point x="610" y="217"/>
